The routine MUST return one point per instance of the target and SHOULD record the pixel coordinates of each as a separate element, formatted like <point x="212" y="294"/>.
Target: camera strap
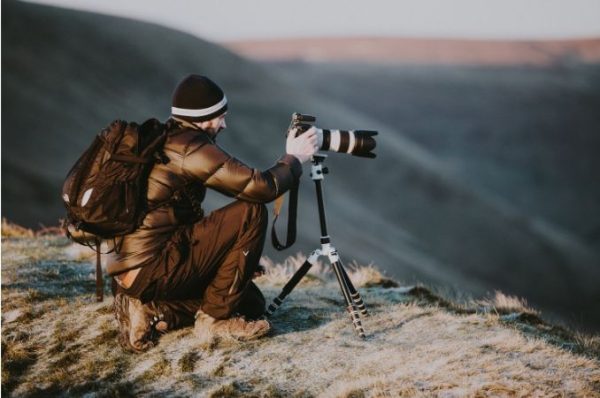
<point x="292" y="213"/>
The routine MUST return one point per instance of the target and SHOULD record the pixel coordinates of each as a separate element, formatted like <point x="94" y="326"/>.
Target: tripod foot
<point x="356" y="321"/>
<point x="273" y="306"/>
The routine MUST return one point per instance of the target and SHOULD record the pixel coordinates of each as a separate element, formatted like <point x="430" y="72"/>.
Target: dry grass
<point x="57" y="341"/>
<point x="10" y="230"/>
<point x="588" y="344"/>
<point x="502" y="303"/>
<point x="368" y="276"/>
<point x="277" y="274"/>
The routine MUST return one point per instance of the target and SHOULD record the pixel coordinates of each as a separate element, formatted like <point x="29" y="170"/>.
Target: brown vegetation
<point x="422" y="51"/>
<point x="12" y="230"/>
<point x="57" y="341"/>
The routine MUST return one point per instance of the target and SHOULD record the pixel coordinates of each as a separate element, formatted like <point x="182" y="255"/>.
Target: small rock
<point x="11" y="316"/>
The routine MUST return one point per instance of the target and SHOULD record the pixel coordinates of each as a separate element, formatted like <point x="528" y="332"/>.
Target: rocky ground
<point x="57" y="341"/>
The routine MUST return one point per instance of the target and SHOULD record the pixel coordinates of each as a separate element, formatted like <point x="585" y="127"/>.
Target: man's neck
<point x="185" y="123"/>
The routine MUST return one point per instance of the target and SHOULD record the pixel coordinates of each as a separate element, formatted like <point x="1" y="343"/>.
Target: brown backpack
<point x="105" y="191"/>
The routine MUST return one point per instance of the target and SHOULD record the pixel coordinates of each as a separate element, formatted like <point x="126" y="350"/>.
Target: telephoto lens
<point x="355" y="142"/>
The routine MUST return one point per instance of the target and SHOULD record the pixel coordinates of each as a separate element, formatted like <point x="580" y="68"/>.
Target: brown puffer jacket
<point x="196" y="162"/>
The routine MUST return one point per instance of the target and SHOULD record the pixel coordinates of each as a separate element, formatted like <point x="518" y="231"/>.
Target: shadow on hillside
<point x="52" y="280"/>
<point x="399" y="324"/>
<point x="295" y="318"/>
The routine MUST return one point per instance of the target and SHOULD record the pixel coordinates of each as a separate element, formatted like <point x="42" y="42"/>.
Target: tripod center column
<point x="317" y="174"/>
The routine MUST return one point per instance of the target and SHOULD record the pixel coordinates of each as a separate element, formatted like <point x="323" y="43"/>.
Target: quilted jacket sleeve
<point x="228" y="175"/>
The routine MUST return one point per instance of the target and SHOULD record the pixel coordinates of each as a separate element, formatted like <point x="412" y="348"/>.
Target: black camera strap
<point x="292" y="213"/>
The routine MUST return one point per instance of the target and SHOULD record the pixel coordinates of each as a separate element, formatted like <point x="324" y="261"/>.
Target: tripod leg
<point x="354" y="294"/>
<point x="287" y="289"/>
<point x="354" y="315"/>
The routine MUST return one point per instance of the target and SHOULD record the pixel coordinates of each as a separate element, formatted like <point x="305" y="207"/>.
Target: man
<point x="179" y="265"/>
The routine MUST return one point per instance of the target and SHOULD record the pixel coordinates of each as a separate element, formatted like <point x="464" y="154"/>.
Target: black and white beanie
<point x="197" y="98"/>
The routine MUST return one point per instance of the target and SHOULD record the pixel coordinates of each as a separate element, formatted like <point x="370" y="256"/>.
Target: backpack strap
<point x="96" y="247"/>
<point x="99" y="280"/>
<point x="131" y="159"/>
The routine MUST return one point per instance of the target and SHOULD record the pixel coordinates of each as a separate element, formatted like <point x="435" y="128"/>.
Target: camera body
<point x="355" y="142"/>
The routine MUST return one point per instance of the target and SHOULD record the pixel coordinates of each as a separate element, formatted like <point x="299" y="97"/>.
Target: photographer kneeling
<point x="180" y="267"/>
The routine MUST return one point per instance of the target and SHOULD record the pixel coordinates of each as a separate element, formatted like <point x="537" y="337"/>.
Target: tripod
<point x="354" y="303"/>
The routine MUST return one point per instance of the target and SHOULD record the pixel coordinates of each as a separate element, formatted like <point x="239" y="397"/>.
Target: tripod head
<point x="318" y="158"/>
<point x="317" y="171"/>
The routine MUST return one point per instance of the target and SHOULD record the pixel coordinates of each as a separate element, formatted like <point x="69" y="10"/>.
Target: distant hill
<point x="67" y="74"/>
<point x="421" y="51"/>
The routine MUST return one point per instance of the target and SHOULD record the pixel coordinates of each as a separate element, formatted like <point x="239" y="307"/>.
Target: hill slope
<point x="526" y="134"/>
<point x="405" y="210"/>
<point x="57" y="341"/>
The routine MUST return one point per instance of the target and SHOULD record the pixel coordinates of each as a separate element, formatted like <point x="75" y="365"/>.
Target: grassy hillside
<point x="526" y="134"/>
<point x="67" y="74"/>
<point x="56" y="341"/>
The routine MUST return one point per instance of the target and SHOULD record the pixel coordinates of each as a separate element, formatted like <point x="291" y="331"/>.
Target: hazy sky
<point x="232" y="20"/>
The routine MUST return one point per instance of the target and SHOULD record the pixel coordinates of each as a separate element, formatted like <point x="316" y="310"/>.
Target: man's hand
<point x="303" y="146"/>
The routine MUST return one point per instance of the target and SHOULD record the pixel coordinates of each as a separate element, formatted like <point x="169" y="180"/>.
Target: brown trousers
<point x="210" y="266"/>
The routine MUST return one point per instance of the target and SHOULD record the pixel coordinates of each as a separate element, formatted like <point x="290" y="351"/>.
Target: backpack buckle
<point x="161" y="158"/>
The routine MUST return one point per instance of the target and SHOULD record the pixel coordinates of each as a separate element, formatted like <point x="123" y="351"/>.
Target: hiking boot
<point x="206" y="327"/>
<point x="139" y="324"/>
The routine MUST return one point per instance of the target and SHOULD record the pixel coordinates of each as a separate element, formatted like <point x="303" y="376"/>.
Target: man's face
<point x="214" y="126"/>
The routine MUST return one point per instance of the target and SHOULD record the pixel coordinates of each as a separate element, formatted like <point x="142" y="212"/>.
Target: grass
<point x="187" y="361"/>
<point x="56" y="340"/>
<point x="160" y="368"/>
<point x="11" y="230"/>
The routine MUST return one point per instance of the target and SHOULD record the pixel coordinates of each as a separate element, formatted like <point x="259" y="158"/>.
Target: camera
<point x="355" y="142"/>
